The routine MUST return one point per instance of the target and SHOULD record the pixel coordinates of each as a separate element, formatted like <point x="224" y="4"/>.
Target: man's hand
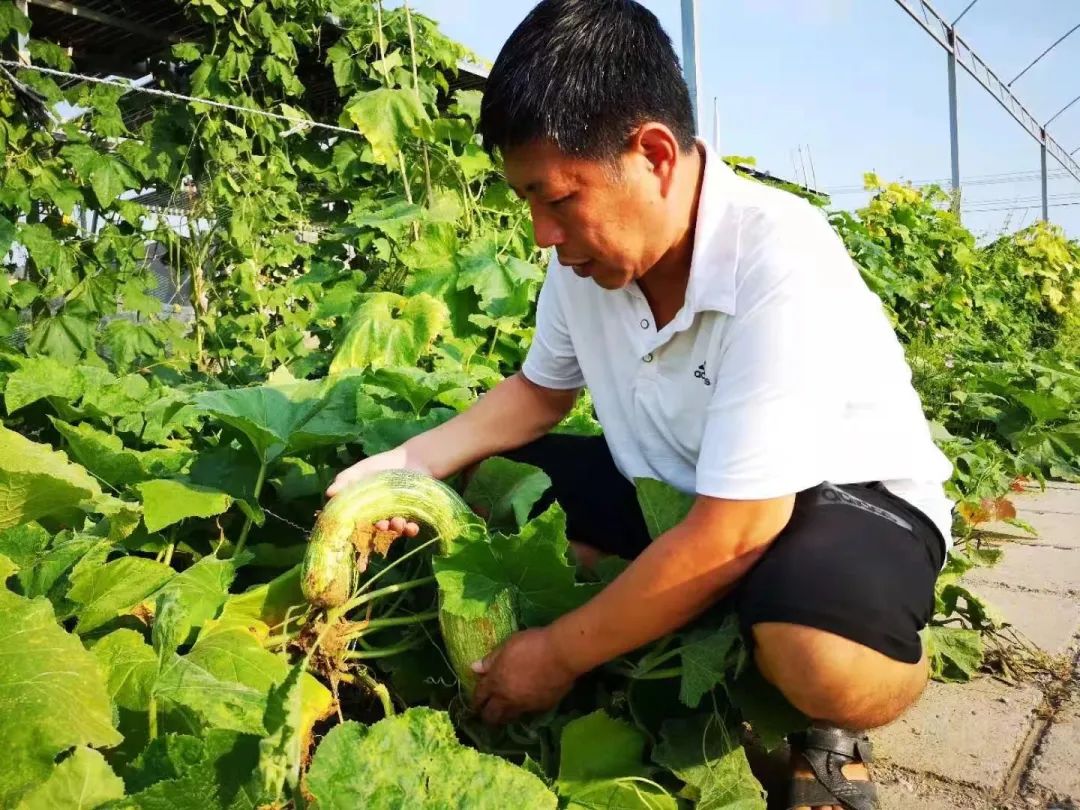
<point x="523" y="675"/>
<point x="397" y="459"/>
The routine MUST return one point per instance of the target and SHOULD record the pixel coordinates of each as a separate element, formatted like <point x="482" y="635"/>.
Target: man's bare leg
<point x="835" y="680"/>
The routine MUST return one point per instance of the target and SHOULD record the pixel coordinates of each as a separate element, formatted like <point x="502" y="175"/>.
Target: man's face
<point x="605" y="221"/>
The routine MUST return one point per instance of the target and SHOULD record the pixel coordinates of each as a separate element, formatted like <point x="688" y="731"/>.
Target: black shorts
<point x="854" y="560"/>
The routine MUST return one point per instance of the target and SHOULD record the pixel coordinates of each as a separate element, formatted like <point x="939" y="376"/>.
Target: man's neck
<point x="664" y="285"/>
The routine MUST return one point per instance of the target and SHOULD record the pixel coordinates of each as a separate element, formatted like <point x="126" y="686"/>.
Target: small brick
<point x="969" y="732"/>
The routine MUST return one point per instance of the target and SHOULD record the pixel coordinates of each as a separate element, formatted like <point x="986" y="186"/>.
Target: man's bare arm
<point x="681" y="574"/>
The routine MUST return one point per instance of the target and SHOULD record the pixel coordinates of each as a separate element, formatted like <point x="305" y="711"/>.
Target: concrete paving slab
<point x="1055" y="768"/>
<point x="1050" y="621"/>
<point x="969" y="733"/>
<point x="1052" y="500"/>
<point x="1033" y="568"/>
<point x="1057" y="485"/>
<point x="903" y="791"/>
<point x="1054" y="529"/>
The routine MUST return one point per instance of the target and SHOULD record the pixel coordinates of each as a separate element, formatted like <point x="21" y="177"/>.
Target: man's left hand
<point x="523" y="675"/>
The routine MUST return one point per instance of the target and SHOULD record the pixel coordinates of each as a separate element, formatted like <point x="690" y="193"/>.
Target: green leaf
<point x="532" y="565"/>
<point x="7" y="233"/>
<point x="417" y="387"/>
<point x="52" y="695"/>
<point x="281" y="751"/>
<point x="390" y="330"/>
<point x="7" y="568"/>
<point x="40" y="377"/>
<point x="467" y="104"/>
<point x="107" y="592"/>
<point x="172" y="624"/>
<point x="23" y="546"/>
<point x="181" y="772"/>
<point x="36" y="480"/>
<point x="385" y="434"/>
<point x="65" y="337"/>
<point x="225" y="681"/>
<point x="274" y="417"/>
<point x="83" y="781"/>
<point x="503" y="492"/>
<point x="707" y="755"/>
<point x="12" y="19"/>
<point x="955" y="652"/>
<point x="765" y="708"/>
<point x="504" y="285"/>
<point x="167" y="501"/>
<point x="662" y="505"/>
<point x="706" y="659"/>
<point x="105" y="456"/>
<point x="263" y="606"/>
<point x="414" y="760"/>
<point x="387" y="118"/>
<point x="599" y="758"/>
<point x="130" y="668"/>
<point x="202" y="588"/>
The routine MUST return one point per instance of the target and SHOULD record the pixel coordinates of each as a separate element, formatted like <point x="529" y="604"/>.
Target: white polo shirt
<point x="780" y="371"/>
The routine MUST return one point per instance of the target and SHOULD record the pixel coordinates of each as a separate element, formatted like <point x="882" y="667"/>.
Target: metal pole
<point x="1045" y="201"/>
<point x="691" y="68"/>
<point x="954" y="129"/>
<point x="716" y="123"/>
<point x="23" y="40"/>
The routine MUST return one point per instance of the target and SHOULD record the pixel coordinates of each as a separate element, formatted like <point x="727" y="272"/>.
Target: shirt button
<point x="644" y="323"/>
<point x="647" y="358"/>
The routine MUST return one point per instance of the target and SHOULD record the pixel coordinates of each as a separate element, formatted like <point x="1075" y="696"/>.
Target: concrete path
<point x="991" y="744"/>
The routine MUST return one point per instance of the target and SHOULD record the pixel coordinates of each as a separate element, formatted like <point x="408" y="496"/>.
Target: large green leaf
<point x="505" y="285"/>
<point x="167" y="501"/>
<point x="531" y="565"/>
<point x="390" y="330"/>
<point x="600" y="766"/>
<point x="106" y="456"/>
<point x="130" y="668"/>
<point x="52" y="695"/>
<point x="263" y="606"/>
<point x="662" y="505"/>
<point x="287" y="417"/>
<point x="706" y="754"/>
<point x="40" y="377"/>
<point x="107" y="592"/>
<point x="83" y="781"/>
<point x="707" y="657"/>
<point x="387" y="118"/>
<point x="414" y="760"/>
<point x="36" y="480"/>
<point x="202" y="588"/>
<point x="64" y="336"/>
<point x="955" y="653"/>
<point x="225" y="681"/>
<point x="503" y="492"/>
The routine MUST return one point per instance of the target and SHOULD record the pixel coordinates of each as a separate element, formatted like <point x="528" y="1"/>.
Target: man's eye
<point x="561" y="200"/>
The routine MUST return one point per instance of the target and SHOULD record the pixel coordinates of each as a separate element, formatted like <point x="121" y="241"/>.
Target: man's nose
<point x="547" y="231"/>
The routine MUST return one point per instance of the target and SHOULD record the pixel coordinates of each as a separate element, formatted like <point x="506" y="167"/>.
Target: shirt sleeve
<point x="778" y="401"/>
<point x="551" y="360"/>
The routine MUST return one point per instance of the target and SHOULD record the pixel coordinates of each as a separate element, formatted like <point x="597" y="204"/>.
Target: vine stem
<point x="397" y="621"/>
<point x="416" y="89"/>
<point x="380" y="691"/>
<point x="247" y="523"/>
<point x="385" y="652"/>
<point x="363" y="599"/>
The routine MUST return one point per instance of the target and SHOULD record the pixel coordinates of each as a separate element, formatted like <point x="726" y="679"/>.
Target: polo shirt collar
<point x="711" y="286"/>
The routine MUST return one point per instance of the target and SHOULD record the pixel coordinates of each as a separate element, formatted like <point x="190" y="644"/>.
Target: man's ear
<point x="658" y="150"/>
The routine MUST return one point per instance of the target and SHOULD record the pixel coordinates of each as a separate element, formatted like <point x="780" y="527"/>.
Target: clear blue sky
<point x="862" y="87"/>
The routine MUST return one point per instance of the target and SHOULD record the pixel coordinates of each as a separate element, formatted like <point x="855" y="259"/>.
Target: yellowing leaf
<point x="386" y="118"/>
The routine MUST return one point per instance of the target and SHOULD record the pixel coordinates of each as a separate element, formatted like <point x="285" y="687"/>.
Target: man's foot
<point x="829" y="770"/>
<point x="800" y="769"/>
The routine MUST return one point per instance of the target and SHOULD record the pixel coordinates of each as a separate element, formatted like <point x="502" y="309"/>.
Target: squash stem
<point x="381" y="692"/>
<point x="248" y="521"/>
<point x="386" y="652"/>
<point x="398" y="621"/>
<point x="363" y="599"/>
<point x="411" y="552"/>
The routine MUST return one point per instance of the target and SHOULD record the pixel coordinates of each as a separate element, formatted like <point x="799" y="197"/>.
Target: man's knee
<point x="832" y="678"/>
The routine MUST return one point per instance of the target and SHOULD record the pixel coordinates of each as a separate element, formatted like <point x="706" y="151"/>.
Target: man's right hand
<point x="396" y="459"/>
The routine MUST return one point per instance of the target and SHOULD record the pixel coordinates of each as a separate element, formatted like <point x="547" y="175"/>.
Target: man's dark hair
<point x="584" y="74"/>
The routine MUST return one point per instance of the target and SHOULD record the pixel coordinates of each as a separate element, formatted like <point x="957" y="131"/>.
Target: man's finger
<point x="397" y="524"/>
<point x="382" y="525"/>
<point x="412" y="529"/>
<point x="494" y="712"/>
